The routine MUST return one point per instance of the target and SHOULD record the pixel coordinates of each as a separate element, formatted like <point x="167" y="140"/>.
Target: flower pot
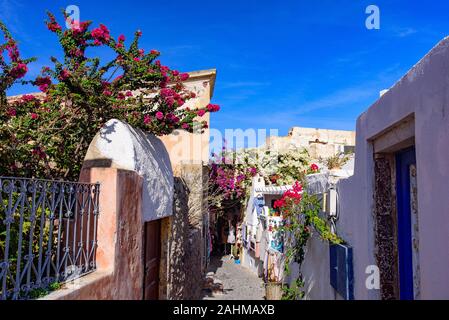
<point x="273" y="291"/>
<point x="274" y="178"/>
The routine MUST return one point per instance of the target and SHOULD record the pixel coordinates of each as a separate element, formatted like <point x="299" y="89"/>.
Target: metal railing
<point x="48" y="233"/>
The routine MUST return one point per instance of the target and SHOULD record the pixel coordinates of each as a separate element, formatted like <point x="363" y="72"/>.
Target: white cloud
<point x="404" y="32"/>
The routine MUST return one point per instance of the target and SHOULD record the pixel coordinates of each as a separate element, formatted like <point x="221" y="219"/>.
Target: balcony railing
<point x="48" y="234"/>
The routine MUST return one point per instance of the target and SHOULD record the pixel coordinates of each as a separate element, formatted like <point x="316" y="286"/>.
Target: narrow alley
<point x="227" y="280"/>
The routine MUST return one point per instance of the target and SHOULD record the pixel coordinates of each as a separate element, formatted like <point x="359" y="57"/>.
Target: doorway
<point x="152" y="259"/>
<point x="405" y="169"/>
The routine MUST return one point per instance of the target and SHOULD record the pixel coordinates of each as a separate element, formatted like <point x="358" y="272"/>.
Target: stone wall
<point x="385" y="227"/>
<point x="319" y="142"/>
<point x="183" y="249"/>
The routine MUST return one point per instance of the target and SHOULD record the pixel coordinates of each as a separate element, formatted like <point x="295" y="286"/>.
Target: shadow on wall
<point x="185" y="270"/>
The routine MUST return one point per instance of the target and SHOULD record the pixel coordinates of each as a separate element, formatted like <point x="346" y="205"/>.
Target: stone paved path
<point x="238" y="282"/>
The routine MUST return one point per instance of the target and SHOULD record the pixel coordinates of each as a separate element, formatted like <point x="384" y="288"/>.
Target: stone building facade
<point x="321" y="143"/>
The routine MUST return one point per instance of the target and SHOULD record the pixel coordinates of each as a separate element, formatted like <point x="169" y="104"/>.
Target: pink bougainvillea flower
<point x="28" y="98"/>
<point x="154" y="52"/>
<point x="146" y="119"/>
<point x="164" y="69"/>
<point x="43" y="83"/>
<point x="314" y="167"/>
<point x="185" y="126"/>
<point x="167" y="92"/>
<point x="75" y="25"/>
<point x="19" y="71"/>
<point x="129" y="93"/>
<point x="184" y="76"/>
<point x="79" y="27"/>
<point x="159" y="115"/>
<point x="52" y="25"/>
<point x="141" y="52"/>
<point x="121" y="38"/>
<point x="101" y="34"/>
<point x="213" y="107"/>
<point x="64" y="75"/>
<point x="34" y="116"/>
<point x="173" y="118"/>
<point x="253" y="171"/>
<point x="13" y="51"/>
<point x="201" y="113"/>
<point x="170" y="101"/>
<point x="11" y="112"/>
<point x="180" y="102"/>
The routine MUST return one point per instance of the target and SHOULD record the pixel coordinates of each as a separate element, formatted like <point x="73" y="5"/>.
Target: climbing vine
<point x="301" y="218"/>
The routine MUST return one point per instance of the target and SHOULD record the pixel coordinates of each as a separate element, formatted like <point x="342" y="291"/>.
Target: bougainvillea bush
<point x="12" y="66"/>
<point x="229" y="180"/>
<point x="48" y="135"/>
<point x="301" y="218"/>
<point x="231" y="172"/>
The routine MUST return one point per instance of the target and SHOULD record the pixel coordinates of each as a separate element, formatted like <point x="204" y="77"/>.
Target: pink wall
<point x="119" y="273"/>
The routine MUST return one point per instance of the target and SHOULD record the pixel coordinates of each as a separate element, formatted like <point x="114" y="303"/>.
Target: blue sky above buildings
<point x="280" y="63"/>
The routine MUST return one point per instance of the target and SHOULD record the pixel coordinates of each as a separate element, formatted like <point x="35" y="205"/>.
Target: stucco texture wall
<point x="119" y="255"/>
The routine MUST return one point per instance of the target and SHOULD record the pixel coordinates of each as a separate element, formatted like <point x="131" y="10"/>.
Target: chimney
<point x="381" y="93"/>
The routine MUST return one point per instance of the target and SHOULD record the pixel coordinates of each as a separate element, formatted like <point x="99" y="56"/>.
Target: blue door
<point x="404" y="160"/>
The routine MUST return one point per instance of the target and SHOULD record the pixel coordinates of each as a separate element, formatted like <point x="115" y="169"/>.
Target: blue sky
<point x="279" y="63"/>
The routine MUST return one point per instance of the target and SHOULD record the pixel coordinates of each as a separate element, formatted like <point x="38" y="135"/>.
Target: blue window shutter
<point x="259" y="202"/>
<point x="341" y="272"/>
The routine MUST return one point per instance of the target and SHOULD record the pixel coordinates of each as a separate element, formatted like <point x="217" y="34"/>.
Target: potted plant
<point x="273" y="285"/>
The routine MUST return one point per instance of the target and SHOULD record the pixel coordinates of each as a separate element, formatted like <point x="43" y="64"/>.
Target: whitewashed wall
<point x="121" y="146"/>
